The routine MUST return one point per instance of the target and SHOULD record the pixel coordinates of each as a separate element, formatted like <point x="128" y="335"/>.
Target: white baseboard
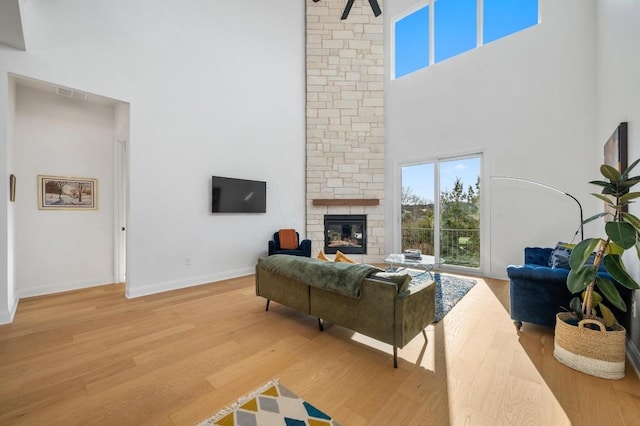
<point x="6" y="317"/>
<point x="139" y="291"/>
<point x="61" y="287"/>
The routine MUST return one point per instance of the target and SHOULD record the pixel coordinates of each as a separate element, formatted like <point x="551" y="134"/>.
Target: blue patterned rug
<point x="449" y="289"/>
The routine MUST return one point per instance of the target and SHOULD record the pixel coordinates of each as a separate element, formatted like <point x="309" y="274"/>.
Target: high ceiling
<point x="12" y="35"/>
<point x="11" y="32"/>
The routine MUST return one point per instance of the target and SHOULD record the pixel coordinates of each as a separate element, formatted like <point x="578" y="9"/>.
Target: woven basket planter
<point x="599" y="353"/>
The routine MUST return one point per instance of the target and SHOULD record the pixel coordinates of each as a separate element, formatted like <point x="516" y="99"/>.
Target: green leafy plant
<point x="622" y="233"/>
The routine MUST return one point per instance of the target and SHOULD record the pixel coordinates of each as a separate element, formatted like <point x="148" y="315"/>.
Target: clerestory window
<point x="441" y="29"/>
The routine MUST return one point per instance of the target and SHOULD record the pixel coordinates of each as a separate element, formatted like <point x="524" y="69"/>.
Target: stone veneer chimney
<point x="345" y="119"/>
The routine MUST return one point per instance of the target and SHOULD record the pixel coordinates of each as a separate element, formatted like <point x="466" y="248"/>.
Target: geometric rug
<point x="271" y="404"/>
<point x="449" y="289"/>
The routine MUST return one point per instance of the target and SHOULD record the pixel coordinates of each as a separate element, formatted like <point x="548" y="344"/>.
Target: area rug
<point x="449" y="289"/>
<point x="271" y="404"/>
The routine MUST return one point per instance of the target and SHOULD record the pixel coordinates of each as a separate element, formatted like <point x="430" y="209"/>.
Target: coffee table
<point x="425" y="262"/>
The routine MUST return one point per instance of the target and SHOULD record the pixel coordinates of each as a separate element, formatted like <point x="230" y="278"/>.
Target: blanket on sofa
<point x="343" y="278"/>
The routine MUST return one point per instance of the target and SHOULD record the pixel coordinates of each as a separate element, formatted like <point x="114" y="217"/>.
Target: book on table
<point x="412" y="254"/>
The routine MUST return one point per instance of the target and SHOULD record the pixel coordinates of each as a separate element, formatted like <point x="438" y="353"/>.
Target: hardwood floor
<point x="94" y="357"/>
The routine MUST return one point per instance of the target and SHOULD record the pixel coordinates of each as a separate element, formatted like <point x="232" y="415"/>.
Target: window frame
<point x="437" y="192"/>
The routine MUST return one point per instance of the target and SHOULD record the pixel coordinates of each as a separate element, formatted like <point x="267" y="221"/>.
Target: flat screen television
<point x="232" y="195"/>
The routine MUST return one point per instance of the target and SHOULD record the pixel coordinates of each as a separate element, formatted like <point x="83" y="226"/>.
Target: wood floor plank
<point x="94" y="357"/>
<point x="628" y="405"/>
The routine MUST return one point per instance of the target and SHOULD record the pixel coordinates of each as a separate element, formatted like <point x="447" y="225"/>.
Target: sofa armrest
<point x="272" y="247"/>
<point x="537" y="293"/>
<point x="415" y="310"/>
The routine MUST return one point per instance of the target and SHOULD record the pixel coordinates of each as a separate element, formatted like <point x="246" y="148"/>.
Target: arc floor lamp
<point x="544" y="185"/>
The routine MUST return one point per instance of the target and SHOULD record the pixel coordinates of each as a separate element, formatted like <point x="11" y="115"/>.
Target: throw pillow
<point x="562" y="252"/>
<point x="560" y="255"/>
<point x="561" y="261"/>
<point x="288" y="239"/>
<point x="341" y="257"/>
<point x="323" y="256"/>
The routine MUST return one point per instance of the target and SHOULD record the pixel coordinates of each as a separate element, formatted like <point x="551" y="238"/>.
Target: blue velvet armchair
<point x="304" y="247"/>
<point x="538" y="292"/>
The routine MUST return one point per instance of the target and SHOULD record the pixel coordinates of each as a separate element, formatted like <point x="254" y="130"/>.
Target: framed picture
<point x="615" y="155"/>
<point x="67" y="193"/>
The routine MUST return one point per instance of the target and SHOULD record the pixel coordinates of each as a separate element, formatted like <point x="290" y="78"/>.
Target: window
<point x="440" y="210"/>
<point x="450" y="28"/>
<point x="455" y="27"/>
<point x="504" y="17"/>
<point x="412" y="42"/>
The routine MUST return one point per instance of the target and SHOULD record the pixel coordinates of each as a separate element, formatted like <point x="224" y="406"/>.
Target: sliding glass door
<point x="440" y="209"/>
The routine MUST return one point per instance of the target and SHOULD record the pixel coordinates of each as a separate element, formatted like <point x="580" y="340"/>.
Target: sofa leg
<point x="267" y="308"/>
<point x="518" y="325"/>
<point x="395" y="357"/>
<point x="320" y="324"/>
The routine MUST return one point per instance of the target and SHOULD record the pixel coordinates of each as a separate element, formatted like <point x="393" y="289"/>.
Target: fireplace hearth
<point x="347" y="233"/>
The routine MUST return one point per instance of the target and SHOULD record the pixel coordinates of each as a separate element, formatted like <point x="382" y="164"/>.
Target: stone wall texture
<point x="345" y="117"/>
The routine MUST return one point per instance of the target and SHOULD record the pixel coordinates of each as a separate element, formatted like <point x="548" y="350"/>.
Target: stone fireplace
<point x="345" y="232"/>
<point x="345" y="122"/>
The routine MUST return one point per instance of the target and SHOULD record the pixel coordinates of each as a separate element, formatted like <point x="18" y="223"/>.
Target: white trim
<point x="479" y="23"/>
<point x="437" y="197"/>
<point x="432" y="35"/>
<point x="147" y="290"/>
<point x="6" y="317"/>
<point x="120" y="209"/>
<point x="62" y="287"/>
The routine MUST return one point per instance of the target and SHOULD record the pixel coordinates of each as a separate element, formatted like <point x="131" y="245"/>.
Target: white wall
<point x="62" y="250"/>
<point x="619" y="100"/>
<point x="527" y="102"/>
<point x="214" y="88"/>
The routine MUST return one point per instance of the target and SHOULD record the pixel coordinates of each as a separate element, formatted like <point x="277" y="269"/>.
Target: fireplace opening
<point x="347" y="233"/>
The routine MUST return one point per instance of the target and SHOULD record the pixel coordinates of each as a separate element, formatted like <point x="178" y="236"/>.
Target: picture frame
<point x="67" y="193"/>
<point x="616" y="155"/>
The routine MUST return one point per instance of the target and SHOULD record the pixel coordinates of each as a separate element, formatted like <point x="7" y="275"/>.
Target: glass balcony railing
<point x="459" y="247"/>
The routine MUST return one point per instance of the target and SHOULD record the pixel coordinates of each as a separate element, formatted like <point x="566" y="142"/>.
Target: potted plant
<point x="585" y="341"/>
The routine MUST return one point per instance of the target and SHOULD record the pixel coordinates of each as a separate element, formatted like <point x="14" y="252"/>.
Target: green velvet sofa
<point x="382" y="306"/>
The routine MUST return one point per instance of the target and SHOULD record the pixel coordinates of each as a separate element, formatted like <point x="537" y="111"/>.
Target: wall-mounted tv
<point x="238" y="195"/>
